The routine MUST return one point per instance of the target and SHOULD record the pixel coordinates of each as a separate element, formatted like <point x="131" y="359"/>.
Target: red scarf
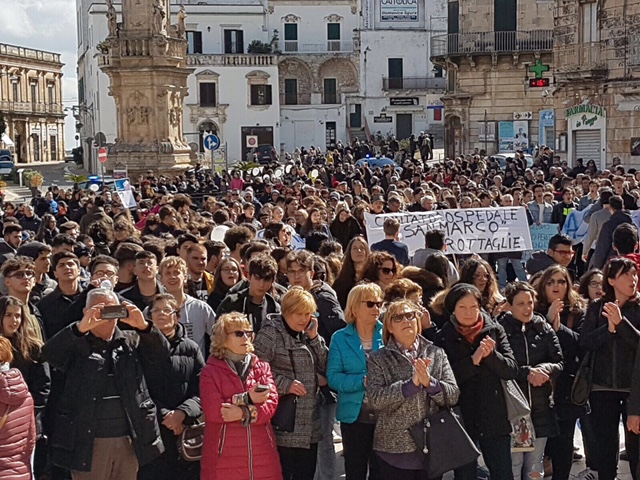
<point x="472" y="332"/>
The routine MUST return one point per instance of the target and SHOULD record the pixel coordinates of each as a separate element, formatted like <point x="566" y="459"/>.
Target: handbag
<point x="284" y="420"/>
<point x="583" y="381"/>
<point x="519" y="416"/>
<point x="442" y="439"/>
<point x="190" y="441"/>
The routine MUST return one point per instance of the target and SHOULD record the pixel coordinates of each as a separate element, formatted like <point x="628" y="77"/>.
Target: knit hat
<point x="31" y="249"/>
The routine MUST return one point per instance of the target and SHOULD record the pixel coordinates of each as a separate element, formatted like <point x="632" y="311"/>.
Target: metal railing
<point x="295" y="99"/>
<point x="333" y="46"/>
<point x="414" y="83"/>
<point x="580" y="56"/>
<point x="491" y="42"/>
<point x="232" y="59"/>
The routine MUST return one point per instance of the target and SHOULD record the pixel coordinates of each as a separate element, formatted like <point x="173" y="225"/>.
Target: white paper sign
<point x="469" y="230"/>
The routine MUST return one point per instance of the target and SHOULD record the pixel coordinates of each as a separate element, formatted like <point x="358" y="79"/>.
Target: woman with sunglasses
<point x="239" y="398"/>
<point x="347" y="372"/>
<point x="178" y="401"/>
<point x="610" y="331"/>
<point x="407" y="380"/>
<point x="297" y="354"/>
<point x="477" y="272"/>
<point x="227" y="275"/>
<point x="355" y="256"/>
<point x="537" y="351"/>
<point x="563" y="309"/>
<point x="381" y="268"/>
<point x="481" y="357"/>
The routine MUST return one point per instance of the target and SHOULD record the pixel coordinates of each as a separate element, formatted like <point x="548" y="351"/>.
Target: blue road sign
<point x="211" y="142"/>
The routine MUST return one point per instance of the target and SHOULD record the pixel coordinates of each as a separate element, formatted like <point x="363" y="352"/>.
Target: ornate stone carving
<point x="181" y="27"/>
<point x="294" y="68"/>
<point x="333" y="18"/>
<point x="291" y="18"/>
<point x="112" y="19"/>
<point x="159" y="18"/>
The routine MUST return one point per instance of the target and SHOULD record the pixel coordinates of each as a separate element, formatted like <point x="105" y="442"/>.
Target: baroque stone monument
<point x="145" y="60"/>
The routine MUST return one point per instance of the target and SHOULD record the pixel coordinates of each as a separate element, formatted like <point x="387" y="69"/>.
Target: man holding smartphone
<point x="105" y="423"/>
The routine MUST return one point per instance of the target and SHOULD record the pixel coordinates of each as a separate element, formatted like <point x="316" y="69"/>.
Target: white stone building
<point x="401" y="89"/>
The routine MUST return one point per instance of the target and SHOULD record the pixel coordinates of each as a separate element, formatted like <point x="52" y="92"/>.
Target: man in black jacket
<point x="147" y="285"/>
<point x="105" y="423"/>
<point x="604" y="245"/>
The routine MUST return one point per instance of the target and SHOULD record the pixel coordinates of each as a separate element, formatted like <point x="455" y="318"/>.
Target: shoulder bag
<point x="190" y="441"/>
<point x="284" y="420"/>
<point x="442" y="439"/>
<point x="583" y="381"/>
<point x="519" y="416"/>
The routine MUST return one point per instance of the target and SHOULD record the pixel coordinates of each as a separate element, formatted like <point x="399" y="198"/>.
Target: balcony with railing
<point x="414" y="83"/>
<point x="232" y="60"/>
<point x="580" y="60"/>
<point x="293" y="47"/>
<point x="31" y="107"/>
<point x="482" y="43"/>
<point x="295" y="99"/>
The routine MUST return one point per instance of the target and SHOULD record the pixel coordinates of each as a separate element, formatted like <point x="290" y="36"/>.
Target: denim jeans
<point x="518" y="268"/>
<point x="326" y="468"/>
<point x="524" y="464"/>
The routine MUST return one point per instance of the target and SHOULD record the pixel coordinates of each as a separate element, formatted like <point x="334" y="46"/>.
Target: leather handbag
<point x="190" y="441"/>
<point x="284" y="420"/>
<point x="583" y="381"/>
<point x="445" y="443"/>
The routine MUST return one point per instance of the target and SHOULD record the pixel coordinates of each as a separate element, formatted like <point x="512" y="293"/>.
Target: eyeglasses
<point x="481" y="276"/>
<point x="560" y="283"/>
<point x="565" y="253"/>
<point x="164" y="311"/>
<point x="404" y="317"/>
<point x="595" y="284"/>
<point x="388" y="271"/>
<point x="243" y="333"/>
<point x="229" y="270"/>
<point x="371" y="304"/>
<point x="23" y="274"/>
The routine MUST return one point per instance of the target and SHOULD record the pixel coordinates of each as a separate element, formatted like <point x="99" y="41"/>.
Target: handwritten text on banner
<point x="471" y="230"/>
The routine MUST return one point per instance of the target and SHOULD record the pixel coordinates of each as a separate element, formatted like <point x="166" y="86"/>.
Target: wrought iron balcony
<point x="414" y="83"/>
<point x="491" y="42"/>
<point x="295" y="99"/>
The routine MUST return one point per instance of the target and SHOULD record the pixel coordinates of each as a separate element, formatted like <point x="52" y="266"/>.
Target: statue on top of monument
<point x="159" y="15"/>
<point x="112" y="19"/>
<point x="182" y="15"/>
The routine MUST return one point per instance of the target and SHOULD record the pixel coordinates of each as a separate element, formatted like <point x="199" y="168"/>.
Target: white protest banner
<point x="469" y="230"/>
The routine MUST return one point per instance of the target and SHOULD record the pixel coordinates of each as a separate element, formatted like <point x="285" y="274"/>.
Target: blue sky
<point x="46" y="25"/>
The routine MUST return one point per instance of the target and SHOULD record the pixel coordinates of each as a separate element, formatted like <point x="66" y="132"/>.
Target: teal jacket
<point x="347" y="368"/>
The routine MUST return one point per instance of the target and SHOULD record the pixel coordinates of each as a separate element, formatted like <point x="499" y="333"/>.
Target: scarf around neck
<point x="469" y="333"/>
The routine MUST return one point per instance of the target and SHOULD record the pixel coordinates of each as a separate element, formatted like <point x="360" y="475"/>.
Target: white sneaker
<point x="338" y="439"/>
<point x="587" y="474"/>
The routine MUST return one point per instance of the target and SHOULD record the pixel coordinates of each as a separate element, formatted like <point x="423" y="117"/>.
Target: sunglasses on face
<point x="388" y="271"/>
<point x="404" y="317"/>
<point x="243" y="333"/>
<point x="164" y="311"/>
<point x="371" y="304"/>
<point x="23" y="274"/>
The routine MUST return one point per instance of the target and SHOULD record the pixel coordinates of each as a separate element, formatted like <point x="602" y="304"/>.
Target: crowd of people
<point x="241" y="334"/>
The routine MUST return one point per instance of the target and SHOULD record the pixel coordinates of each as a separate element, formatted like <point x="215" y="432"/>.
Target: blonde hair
<point x="358" y="294"/>
<point x="6" y="351"/>
<point x="223" y="327"/>
<point x="298" y="301"/>
<point x="171" y="262"/>
<point x="392" y="309"/>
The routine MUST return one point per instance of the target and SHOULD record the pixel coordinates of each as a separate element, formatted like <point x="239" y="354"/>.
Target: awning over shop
<point x="7" y="141"/>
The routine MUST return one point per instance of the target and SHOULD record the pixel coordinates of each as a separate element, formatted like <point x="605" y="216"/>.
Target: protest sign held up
<point x="472" y="230"/>
<point x="540" y="235"/>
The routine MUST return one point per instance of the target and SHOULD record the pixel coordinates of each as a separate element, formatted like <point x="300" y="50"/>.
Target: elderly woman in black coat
<point x="178" y="401"/>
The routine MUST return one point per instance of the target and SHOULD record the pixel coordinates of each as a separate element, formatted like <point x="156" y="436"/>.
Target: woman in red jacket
<point x="239" y="398"/>
<point x="17" y="421"/>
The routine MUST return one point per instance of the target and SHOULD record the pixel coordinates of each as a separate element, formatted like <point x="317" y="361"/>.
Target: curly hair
<point x="373" y="264"/>
<point x="224" y="326"/>
<point x="401" y="289"/>
<point x="572" y="299"/>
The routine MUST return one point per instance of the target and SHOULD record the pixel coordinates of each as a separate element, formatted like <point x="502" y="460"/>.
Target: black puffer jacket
<point x="331" y="317"/>
<point x="615" y="352"/>
<point x="481" y="396"/>
<point x="82" y="358"/>
<point x="535" y="344"/>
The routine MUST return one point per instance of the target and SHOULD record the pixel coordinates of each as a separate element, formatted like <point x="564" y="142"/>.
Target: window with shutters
<point x="233" y="41"/>
<point x="194" y="42"/>
<point x="330" y="91"/>
<point x="290" y="91"/>
<point x="333" y="37"/>
<point x="207" y="94"/>
<point x="290" y="37"/>
<point x="261" y="95"/>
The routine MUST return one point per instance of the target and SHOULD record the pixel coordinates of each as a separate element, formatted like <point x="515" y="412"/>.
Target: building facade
<point x="597" y="89"/>
<point x="498" y="55"/>
<point x="401" y="87"/>
<point x="31" y="103"/>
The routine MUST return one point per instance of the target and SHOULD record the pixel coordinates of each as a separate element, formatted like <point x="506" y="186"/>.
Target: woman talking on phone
<point x="297" y="354"/>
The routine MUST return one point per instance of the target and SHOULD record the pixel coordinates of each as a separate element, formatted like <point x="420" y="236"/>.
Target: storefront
<point x="587" y="134"/>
